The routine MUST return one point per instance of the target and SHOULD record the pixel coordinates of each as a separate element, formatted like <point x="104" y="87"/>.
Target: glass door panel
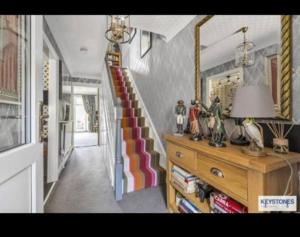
<point x="14" y="81"/>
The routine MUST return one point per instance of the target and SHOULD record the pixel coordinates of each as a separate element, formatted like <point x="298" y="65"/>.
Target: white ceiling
<point x="263" y="30"/>
<point x="165" y="25"/>
<point x="74" y="31"/>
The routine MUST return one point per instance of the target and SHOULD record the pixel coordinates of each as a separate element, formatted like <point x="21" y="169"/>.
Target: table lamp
<point x="251" y="102"/>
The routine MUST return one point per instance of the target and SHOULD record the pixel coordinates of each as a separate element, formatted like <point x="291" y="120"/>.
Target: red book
<point x="222" y="208"/>
<point x="181" y="209"/>
<point x="223" y="199"/>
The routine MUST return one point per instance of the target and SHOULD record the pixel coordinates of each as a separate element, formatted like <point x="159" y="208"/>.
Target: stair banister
<point x="118" y="167"/>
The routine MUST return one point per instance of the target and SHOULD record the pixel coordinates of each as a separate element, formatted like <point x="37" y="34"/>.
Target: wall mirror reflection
<point x="253" y="48"/>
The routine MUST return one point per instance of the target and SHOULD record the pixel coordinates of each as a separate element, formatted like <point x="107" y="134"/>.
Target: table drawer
<point x="187" y="158"/>
<point x="229" y="179"/>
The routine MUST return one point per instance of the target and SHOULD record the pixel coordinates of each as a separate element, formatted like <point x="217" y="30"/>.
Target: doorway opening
<point x="86" y="116"/>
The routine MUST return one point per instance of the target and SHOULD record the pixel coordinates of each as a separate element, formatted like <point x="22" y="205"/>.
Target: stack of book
<point x="183" y="179"/>
<point x="185" y="206"/>
<point x="221" y="203"/>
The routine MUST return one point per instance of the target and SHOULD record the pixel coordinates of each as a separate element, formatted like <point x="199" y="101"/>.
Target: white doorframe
<point x="53" y="108"/>
<point x="53" y="122"/>
<point x="82" y="84"/>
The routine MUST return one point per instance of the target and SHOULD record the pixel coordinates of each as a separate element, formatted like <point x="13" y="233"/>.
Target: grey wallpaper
<point x="166" y="74"/>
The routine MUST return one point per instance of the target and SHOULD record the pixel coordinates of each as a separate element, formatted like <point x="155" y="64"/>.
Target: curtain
<point x="89" y="103"/>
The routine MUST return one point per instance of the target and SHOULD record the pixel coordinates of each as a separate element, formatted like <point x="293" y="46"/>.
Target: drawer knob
<point x="178" y="154"/>
<point x="217" y="172"/>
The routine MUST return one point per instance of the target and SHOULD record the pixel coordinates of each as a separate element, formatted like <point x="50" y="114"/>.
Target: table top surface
<point x="233" y="154"/>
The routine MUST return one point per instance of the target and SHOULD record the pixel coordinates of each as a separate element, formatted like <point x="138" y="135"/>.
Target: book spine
<point x="230" y="203"/>
<point x="187" y="181"/>
<point x="182" y="172"/>
<point x="181" y="209"/>
<point x="218" y="209"/>
<point x="185" y="206"/>
<point x="184" y="187"/>
<point x="223" y="208"/>
<point x="190" y="206"/>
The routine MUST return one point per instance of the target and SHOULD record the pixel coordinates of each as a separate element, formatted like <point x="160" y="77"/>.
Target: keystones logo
<point x="277" y="203"/>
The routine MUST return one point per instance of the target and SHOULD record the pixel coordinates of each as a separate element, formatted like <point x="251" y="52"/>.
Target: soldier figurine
<point x="215" y="113"/>
<point x="219" y="129"/>
<point x="194" y="123"/>
<point x="180" y="112"/>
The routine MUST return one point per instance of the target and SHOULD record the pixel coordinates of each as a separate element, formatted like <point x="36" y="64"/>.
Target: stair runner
<point x="141" y="162"/>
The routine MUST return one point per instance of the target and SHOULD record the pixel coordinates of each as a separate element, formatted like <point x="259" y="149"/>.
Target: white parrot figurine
<point x="253" y="131"/>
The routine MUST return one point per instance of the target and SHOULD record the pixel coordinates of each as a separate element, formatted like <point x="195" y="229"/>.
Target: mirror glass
<point x="237" y="50"/>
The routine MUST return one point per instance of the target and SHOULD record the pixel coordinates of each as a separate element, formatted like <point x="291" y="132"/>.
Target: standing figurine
<point x="194" y="124"/>
<point x="219" y="130"/>
<point x="217" y="127"/>
<point x="180" y="112"/>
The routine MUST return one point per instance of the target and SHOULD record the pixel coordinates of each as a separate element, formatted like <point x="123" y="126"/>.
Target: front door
<point x="21" y="74"/>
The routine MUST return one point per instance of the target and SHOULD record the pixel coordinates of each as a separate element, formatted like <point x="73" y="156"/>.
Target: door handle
<point x="178" y="154"/>
<point x="217" y="172"/>
<point x="42" y="119"/>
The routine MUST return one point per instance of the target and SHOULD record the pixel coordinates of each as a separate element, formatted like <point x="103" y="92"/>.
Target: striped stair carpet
<point x="141" y="161"/>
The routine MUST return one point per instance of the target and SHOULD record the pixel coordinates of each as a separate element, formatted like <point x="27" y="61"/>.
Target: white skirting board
<point x="65" y="158"/>
<point x="158" y="146"/>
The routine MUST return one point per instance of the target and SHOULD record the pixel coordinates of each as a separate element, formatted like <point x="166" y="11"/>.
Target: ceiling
<point x="166" y="25"/>
<point x="75" y="31"/>
<point x="263" y="30"/>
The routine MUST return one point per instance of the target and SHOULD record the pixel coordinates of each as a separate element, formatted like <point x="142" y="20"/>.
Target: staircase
<point x="141" y="162"/>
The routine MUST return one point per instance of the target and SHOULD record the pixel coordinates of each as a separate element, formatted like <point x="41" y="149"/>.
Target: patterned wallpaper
<point x="166" y="74"/>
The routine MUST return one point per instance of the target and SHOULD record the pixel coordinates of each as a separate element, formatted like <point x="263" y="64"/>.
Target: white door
<point x="21" y="159"/>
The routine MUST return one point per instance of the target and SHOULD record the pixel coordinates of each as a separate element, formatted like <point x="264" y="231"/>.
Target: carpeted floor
<point x="82" y="139"/>
<point x="84" y="187"/>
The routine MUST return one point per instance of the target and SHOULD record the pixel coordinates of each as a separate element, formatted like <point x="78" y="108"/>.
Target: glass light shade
<point x="244" y="54"/>
<point x="118" y="28"/>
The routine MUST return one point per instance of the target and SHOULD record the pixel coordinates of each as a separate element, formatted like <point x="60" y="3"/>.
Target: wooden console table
<point x="244" y="177"/>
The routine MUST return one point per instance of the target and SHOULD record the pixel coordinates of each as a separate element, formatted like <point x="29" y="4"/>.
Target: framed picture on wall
<point x="145" y="42"/>
<point x="132" y="34"/>
<point x="273" y="78"/>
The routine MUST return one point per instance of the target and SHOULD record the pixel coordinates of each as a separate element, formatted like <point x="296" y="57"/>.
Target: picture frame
<point x="132" y="34"/>
<point x="145" y="42"/>
<point x="273" y="75"/>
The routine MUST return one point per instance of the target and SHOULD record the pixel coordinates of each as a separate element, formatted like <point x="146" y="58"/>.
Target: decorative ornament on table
<point x="254" y="131"/>
<point x="180" y="112"/>
<point x="251" y="102"/>
<point x="194" y="125"/>
<point x="241" y="138"/>
<point x="216" y="123"/>
<point x="280" y="142"/>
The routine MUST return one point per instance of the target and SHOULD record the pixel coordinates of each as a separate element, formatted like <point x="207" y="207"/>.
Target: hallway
<point x="85" y="139"/>
<point x="84" y="187"/>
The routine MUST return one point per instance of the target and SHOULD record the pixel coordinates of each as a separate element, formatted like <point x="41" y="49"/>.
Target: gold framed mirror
<point x="277" y="65"/>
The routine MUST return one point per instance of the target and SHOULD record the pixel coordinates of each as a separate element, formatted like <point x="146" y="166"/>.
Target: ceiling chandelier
<point x="118" y="28"/>
<point x="244" y="54"/>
